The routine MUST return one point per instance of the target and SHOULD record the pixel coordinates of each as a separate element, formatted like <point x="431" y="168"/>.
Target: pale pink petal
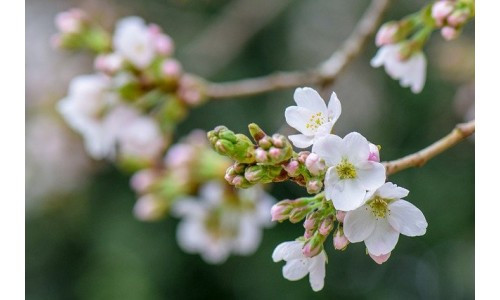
<point x="359" y="224"/>
<point x="407" y="218"/>
<point x="308" y="98"/>
<point x="383" y="238"/>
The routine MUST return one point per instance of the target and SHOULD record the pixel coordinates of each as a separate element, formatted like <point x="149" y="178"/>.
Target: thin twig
<point x="324" y="74"/>
<point x="419" y="158"/>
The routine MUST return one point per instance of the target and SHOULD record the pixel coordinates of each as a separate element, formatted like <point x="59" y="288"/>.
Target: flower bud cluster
<point x="186" y="166"/>
<point x="235" y="146"/>
<point x="451" y="16"/>
<point x="138" y="83"/>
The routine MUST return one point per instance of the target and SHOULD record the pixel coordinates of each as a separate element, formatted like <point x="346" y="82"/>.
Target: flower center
<point x="315" y="121"/>
<point x="346" y="170"/>
<point x="379" y="207"/>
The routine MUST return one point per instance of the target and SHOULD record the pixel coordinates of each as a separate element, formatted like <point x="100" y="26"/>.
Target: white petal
<point x="212" y="192"/>
<point x="381" y="56"/>
<point x="188" y="206"/>
<point x="391" y="191"/>
<point x="317" y="271"/>
<point x="301" y="141"/>
<point x="371" y="174"/>
<point x="356" y="147"/>
<point x="359" y="224"/>
<point x="419" y="72"/>
<point x="348" y="194"/>
<point x="323" y="130"/>
<point x="287" y="251"/>
<point x="296" y="269"/>
<point x="190" y="235"/>
<point x="329" y="148"/>
<point x="308" y="98"/>
<point x="407" y="218"/>
<point x="297" y="117"/>
<point x="334" y="108"/>
<point x="249" y="236"/>
<point x="383" y="238"/>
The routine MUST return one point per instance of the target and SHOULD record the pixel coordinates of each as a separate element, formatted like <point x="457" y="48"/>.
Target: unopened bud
<point x="449" y="33"/>
<point x="315" y="164"/>
<point x="265" y="142"/>
<point x="441" y="10"/>
<point x="70" y="21"/>
<point x="313" y="246"/>
<point x="254" y="173"/>
<point x="260" y="155"/>
<point x="278" y="140"/>
<point x="298" y="213"/>
<point x="326" y="226"/>
<point x="314" y="186"/>
<point x="458" y="18"/>
<point x="302" y="156"/>
<point x="240" y="181"/>
<point x="256" y="132"/>
<point x="380" y="259"/>
<point x="142" y="180"/>
<point x="386" y="34"/>
<point x="171" y="68"/>
<point x="236" y="146"/>
<point x="281" y="210"/>
<point x="311" y="221"/>
<point x="275" y="153"/>
<point x="149" y="208"/>
<point x="340" y="241"/>
<point x="292" y="168"/>
<point x="308" y="233"/>
<point x="340" y="216"/>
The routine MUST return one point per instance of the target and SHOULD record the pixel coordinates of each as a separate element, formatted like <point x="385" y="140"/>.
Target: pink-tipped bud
<point x="189" y="90"/>
<point x="458" y="18"/>
<point x="229" y="177"/>
<point x="312" y="247"/>
<point x="108" y="63"/>
<point x="281" y="210"/>
<point x="171" y="68"/>
<point x="154" y="29"/>
<point x="315" y="164"/>
<point x="70" y="21"/>
<point x="164" y="45"/>
<point x="148" y="208"/>
<point x="260" y="155"/>
<point x="142" y="180"/>
<point x="386" y="34"/>
<point x="441" y="10"/>
<point x="326" y="226"/>
<point x="292" y="168"/>
<point x="380" y="259"/>
<point x="303" y="156"/>
<point x="308" y="233"/>
<point x="277" y="141"/>
<point x="449" y="33"/>
<point x="310" y="222"/>
<point x="340" y="215"/>
<point x="340" y="241"/>
<point x="275" y="153"/>
<point x="374" y="153"/>
<point x="314" y="186"/>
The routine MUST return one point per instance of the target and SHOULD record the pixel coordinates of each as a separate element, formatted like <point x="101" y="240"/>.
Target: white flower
<point x="298" y="265"/>
<point x="311" y="117"/>
<point x="410" y="72"/>
<point x="215" y="228"/>
<point x="134" y="41"/>
<point x="351" y="171"/>
<point x="382" y="218"/>
<point x="141" y="138"/>
<point x="82" y="109"/>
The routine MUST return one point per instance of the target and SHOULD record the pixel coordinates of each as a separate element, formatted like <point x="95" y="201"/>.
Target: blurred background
<point x="82" y="241"/>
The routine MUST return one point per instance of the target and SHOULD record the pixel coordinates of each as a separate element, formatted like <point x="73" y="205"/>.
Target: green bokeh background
<point x="86" y="244"/>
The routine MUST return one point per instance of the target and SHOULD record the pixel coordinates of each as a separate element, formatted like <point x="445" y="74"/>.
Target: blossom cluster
<point x="126" y="111"/>
<point x="216" y="219"/>
<point x="401" y="42"/>
<point x="351" y="197"/>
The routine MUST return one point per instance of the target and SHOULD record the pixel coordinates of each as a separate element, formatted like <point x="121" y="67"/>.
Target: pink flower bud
<point x="340" y="242"/>
<point x="142" y="180"/>
<point x="381" y="258"/>
<point x="310" y="222"/>
<point x="164" y="44"/>
<point x="340" y="215"/>
<point x="308" y="233"/>
<point x="449" y="33"/>
<point x="171" y="68"/>
<point x="386" y="34"/>
<point x="374" y="153"/>
<point x="281" y="210"/>
<point x="189" y="90"/>
<point x="154" y="29"/>
<point x="440" y="10"/>
<point x="312" y="247"/>
<point x="70" y="21"/>
<point x="326" y="226"/>
<point x="303" y="156"/>
<point x="314" y="186"/>
<point x="260" y="155"/>
<point x="275" y="153"/>
<point x="277" y="141"/>
<point x="458" y="18"/>
<point x="148" y="208"/>
<point x="229" y="177"/>
<point x="315" y="164"/>
<point x="291" y="168"/>
<point x="108" y="63"/>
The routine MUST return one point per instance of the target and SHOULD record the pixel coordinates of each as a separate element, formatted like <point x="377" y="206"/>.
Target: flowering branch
<point x="325" y="73"/>
<point x="418" y="159"/>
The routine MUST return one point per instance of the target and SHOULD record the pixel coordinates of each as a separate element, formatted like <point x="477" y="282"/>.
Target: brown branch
<point x="325" y="73"/>
<point x="419" y="158"/>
